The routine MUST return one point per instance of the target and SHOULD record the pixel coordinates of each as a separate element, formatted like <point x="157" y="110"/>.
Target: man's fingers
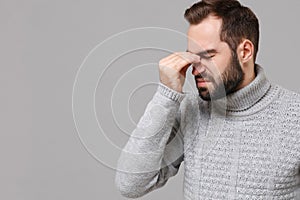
<point x="172" y="69"/>
<point x="179" y="60"/>
<point x="185" y="60"/>
<point x="188" y="56"/>
<point x="184" y="69"/>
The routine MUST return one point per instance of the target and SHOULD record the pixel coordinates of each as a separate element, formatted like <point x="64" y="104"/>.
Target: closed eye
<point x="207" y="56"/>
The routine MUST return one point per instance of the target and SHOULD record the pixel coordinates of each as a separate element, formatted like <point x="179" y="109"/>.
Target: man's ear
<point x="245" y="51"/>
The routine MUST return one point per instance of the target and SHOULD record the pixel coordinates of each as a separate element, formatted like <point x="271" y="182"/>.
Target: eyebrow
<point x="203" y="53"/>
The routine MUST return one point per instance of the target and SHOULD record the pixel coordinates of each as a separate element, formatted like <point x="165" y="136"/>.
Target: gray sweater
<point x="245" y="146"/>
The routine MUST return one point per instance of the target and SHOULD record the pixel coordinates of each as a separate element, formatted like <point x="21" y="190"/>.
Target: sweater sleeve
<point x="154" y="151"/>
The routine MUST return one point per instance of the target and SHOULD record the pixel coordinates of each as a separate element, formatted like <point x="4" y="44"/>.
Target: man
<point x="239" y="138"/>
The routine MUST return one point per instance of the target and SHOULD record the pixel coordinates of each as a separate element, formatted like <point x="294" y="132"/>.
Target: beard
<point x="231" y="78"/>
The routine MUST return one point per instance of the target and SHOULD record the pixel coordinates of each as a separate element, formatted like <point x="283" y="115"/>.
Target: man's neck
<point x="249" y="76"/>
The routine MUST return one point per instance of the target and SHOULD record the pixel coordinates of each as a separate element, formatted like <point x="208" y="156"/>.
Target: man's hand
<point x="172" y="69"/>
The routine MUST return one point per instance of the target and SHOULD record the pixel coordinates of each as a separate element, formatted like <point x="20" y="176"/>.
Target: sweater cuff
<point x="170" y="93"/>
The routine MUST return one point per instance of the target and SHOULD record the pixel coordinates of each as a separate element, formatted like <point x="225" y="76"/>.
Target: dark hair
<point x="238" y="22"/>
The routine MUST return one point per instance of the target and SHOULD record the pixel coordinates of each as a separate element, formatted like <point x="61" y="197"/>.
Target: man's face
<point x="219" y="73"/>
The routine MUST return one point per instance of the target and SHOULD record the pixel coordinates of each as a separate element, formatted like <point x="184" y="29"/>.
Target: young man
<point x="239" y="138"/>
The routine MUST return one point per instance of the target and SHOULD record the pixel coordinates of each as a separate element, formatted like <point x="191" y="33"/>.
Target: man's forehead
<point x="205" y="35"/>
<point x="206" y="46"/>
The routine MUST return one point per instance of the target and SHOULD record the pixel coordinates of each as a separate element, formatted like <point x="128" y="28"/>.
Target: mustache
<point x="204" y="76"/>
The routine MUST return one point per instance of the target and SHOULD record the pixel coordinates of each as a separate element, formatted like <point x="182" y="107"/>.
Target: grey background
<point x="44" y="42"/>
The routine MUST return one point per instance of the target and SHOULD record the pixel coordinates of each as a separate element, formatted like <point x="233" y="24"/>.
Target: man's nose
<point x="198" y="68"/>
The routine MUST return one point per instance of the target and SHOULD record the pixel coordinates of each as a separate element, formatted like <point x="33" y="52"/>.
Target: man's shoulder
<point x="287" y="94"/>
<point x="290" y="111"/>
<point x="290" y="102"/>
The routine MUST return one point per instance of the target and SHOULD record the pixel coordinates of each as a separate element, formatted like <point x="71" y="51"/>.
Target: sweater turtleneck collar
<point x="248" y="96"/>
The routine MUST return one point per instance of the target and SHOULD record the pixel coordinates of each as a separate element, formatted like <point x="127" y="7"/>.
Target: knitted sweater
<point x="249" y="151"/>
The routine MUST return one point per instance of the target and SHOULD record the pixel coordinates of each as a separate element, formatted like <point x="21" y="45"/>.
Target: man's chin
<point x="205" y="98"/>
<point x="204" y="94"/>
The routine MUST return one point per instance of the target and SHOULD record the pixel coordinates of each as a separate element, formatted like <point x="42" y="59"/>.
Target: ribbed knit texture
<point x="249" y="151"/>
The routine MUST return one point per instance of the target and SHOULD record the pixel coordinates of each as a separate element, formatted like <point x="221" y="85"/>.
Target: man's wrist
<point x="170" y="93"/>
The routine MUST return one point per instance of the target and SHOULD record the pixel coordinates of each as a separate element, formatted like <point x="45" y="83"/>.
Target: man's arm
<point x="154" y="151"/>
